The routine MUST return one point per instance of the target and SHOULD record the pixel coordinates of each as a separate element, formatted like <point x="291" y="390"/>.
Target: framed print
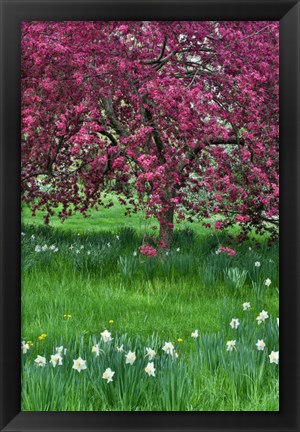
<point x="149" y="261"/>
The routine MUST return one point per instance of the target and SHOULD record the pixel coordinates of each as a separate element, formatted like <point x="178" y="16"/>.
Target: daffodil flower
<point x="234" y="323"/>
<point x="106" y="336"/>
<point x="263" y="315"/>
<point x="130" y="357"/>
<point x="96" y="349"/>
<point x="79" y="364"/>
<point x="231" y="344"/>
<point x="268" y="282"/>
<point x="274" y="357"/>
<point x="56" y="359"/>
<point x="260" y="345"/>
<point x="195" y="334"/>
<point x="150" y="369"/>
<point x="108" y="375"/>
<point x="120" y="349"/>
<point x="150" y="353"/>
<point x="25" y="347"/>
<point x="246" y="306"/>
<point x="168" y="348"/>
<point x="61" y="350"/>
<point x="40" y="361"/>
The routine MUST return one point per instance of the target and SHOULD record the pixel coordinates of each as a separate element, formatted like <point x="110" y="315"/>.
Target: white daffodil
<point x="277" y="321"/>
<point x="108" y="245"/>
<point x="52" y="247"/>
<point x="89" y="252"/>
<point x="246" y="306"/>
<point x="120" y="349"/>
<point x="44" y="248"/>
<point x="268" y="282"/>
<point x="230" y="345"/>
<point x="250" y="248"/>
<point x="195" y="334"/>
<point x="81" y="247"/>
<point x="38" y="249"/>
<point x="25" y="347"/>
<point x="56" y="359"/>
<point x="106" y="336"/>
<point x="61" y="350"/>
<point x="257" y="264"/>
<point x="71" y="247"/>
<point x="178" y="250"/>
<point x="262" y="317"/>
<point x="117" y="237"/>
<point x="168" y="348"/>
<point x="96" y="349"/>
<point x="108" y="375"/>
<point x="77" y="251"/>
<point x="260" y="345"/>
<point x="22" y="234"/>
<point x="150" y="369"/>
<point x="150" y="353"/>
<point x="40" y="361"/>
<point x="56" y="250"/>
<point x="274" y="357"/>
<point x="79" y="364"/>
<point x="130" y="357"/>
<point x="134" y="254"/>
<point x="234" y="323"/>
<point x="32" y="237"/>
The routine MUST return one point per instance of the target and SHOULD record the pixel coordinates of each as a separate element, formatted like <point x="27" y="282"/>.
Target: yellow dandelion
<point x="179" y="340"/>
<point x="111" y="321"/>
<point x="67" y="316"/>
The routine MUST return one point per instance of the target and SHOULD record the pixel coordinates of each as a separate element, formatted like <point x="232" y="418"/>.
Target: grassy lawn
<point x="94" y="278"/>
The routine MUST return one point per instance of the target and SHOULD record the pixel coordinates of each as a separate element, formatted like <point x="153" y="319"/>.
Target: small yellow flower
<point x="42" y="336"/>
<point x="30" y="343"/>
<point x="67" y="316"/>
<point x="111" y="321"/>
<point x="179" y="340"/>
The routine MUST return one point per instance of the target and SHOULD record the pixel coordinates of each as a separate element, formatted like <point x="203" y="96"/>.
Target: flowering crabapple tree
<point x="179" y="119"/>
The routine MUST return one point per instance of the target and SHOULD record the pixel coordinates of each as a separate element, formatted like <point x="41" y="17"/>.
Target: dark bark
<point x="166" y="231"/>
<point x="166" y="224"/>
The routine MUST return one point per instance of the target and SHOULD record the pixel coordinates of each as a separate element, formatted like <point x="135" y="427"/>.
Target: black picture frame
<point x="15" y="11"/>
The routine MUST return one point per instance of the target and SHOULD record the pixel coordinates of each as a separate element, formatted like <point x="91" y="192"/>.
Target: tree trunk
<point x="166" y="230"/>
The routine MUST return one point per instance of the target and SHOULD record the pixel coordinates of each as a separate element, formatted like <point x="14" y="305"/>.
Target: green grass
<point x="150" y="301"/>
